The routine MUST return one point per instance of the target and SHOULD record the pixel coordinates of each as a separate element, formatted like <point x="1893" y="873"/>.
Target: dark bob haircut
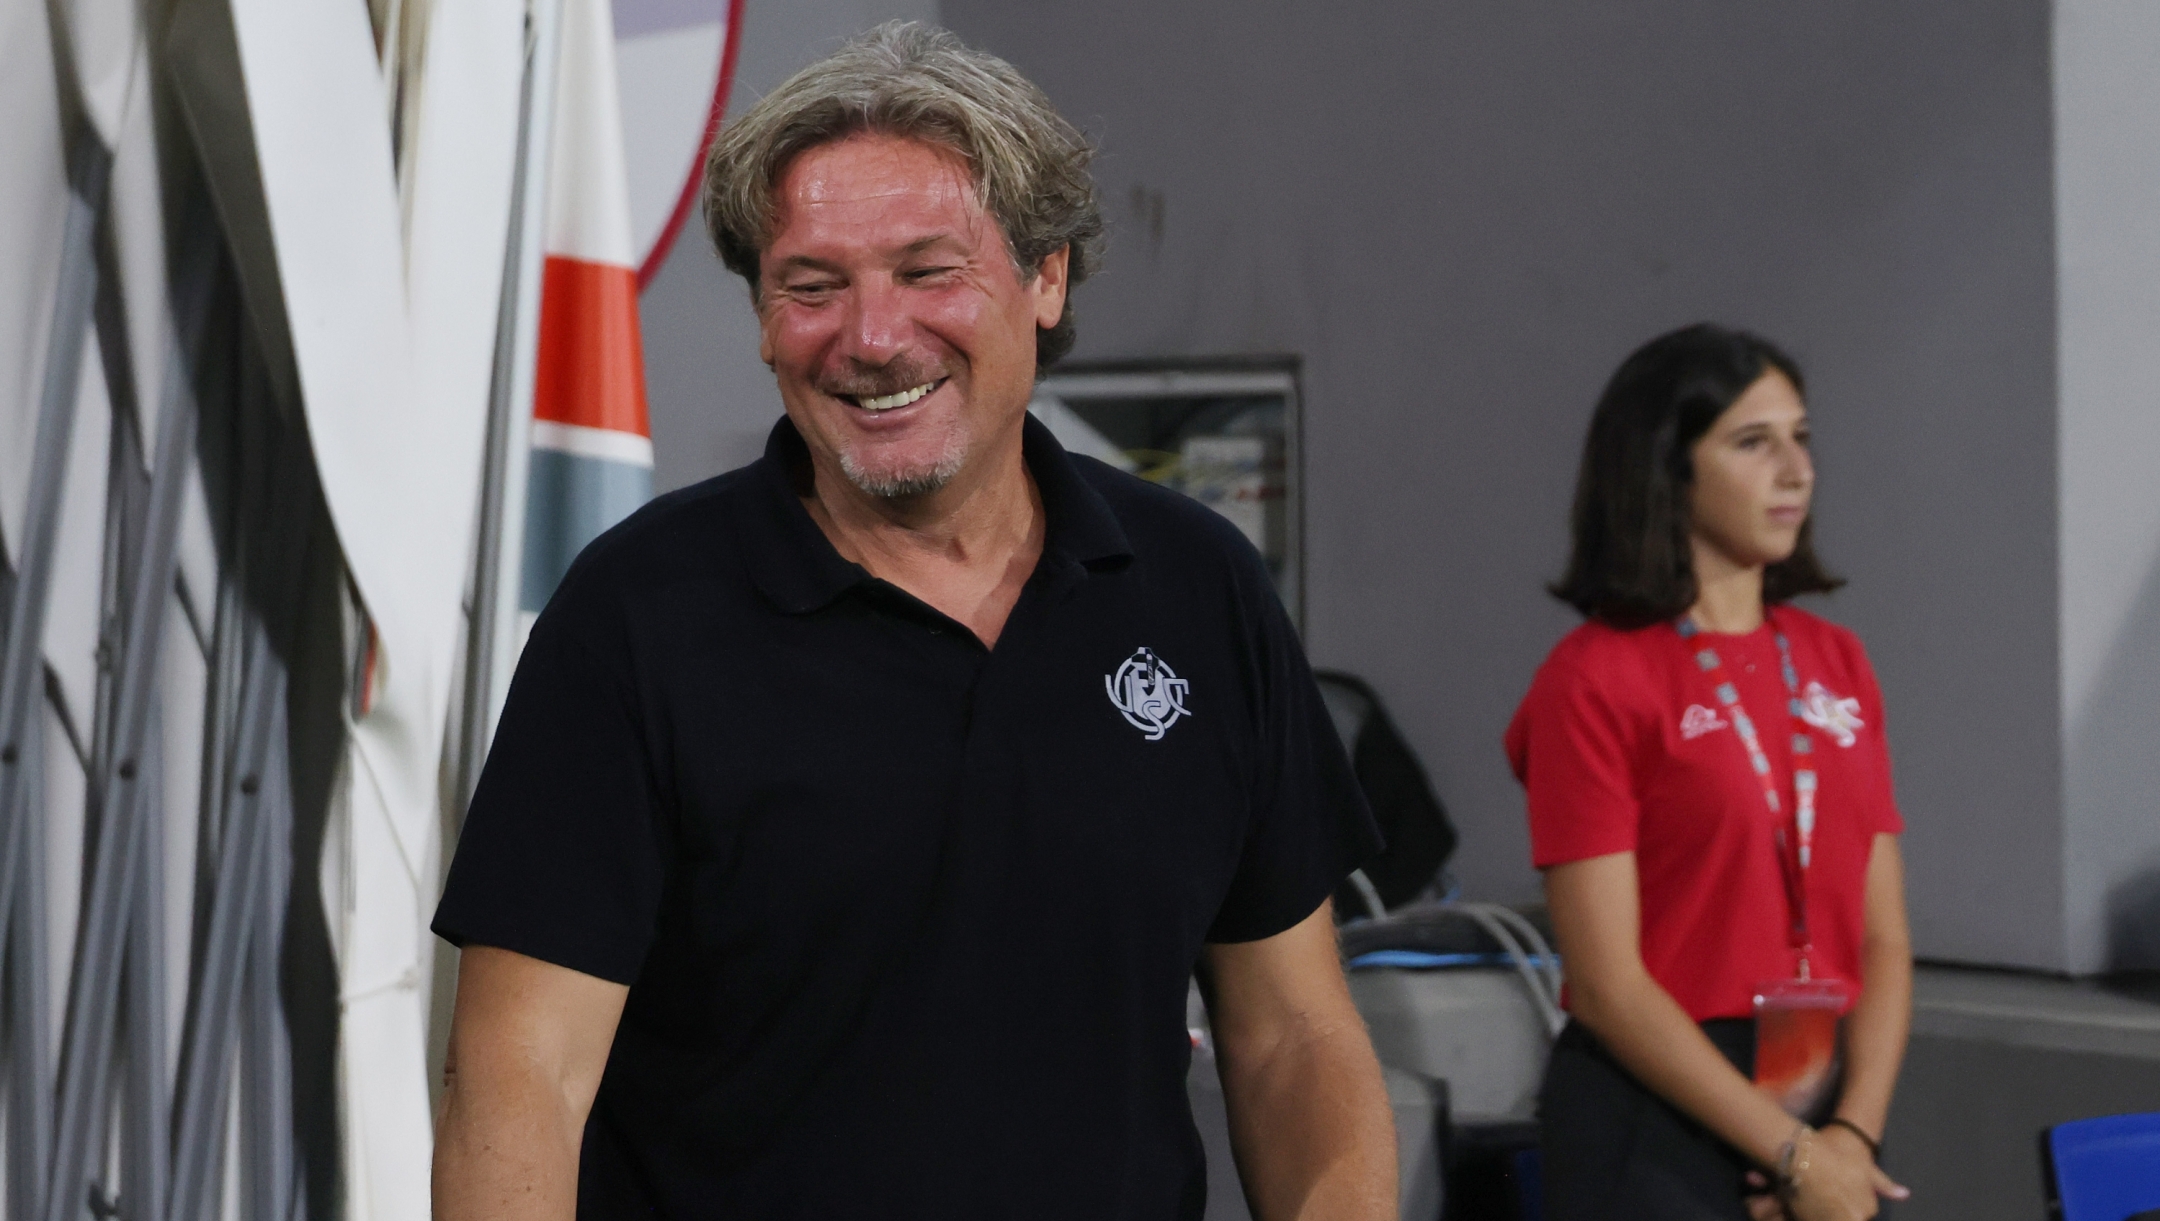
<point x="1632" y="564"/>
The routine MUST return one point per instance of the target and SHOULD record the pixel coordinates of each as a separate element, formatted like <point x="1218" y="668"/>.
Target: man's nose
<point x="878" y="326"/>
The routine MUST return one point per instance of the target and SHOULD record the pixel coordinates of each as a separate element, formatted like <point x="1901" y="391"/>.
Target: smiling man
<point x="857" y="818"/>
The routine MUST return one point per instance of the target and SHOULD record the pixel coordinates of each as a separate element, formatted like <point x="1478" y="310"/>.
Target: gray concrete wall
<point x="2107" y="175"/>
<point x="1463" y="216"/>
<point x="712" y="401"/>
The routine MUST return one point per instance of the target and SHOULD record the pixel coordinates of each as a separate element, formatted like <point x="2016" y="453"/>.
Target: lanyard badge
<point x="1796" y="1020"/>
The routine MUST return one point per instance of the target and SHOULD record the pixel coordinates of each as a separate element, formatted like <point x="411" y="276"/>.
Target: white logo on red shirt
<point x="1699" y="720"/>
<point x="1838" y="717"/>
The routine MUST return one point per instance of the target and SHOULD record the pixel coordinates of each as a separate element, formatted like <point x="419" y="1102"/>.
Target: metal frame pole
<point x="28" y="991"/>
<point x="269" y="548"/>
<point x="206" y="1056"/>
<point x="117" y="872"/>
<point x="266" y="1047"/>
<point x="147" y="1088"/>
<point x="22" y="656"/>
<point x="490" y="640"/>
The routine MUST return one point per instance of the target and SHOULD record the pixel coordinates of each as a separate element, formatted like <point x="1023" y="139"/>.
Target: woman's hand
<point x="1836" y="1179"/>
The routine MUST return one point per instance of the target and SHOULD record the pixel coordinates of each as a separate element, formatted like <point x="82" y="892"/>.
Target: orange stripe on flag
<point x="591" y="367"/>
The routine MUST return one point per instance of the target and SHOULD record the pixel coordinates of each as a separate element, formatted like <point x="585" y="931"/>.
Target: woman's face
<point x="1753" y="476"/>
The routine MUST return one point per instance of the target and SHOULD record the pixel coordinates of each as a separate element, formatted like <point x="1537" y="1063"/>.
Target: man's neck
<point x="966" y="549"/>
<point x="1728" y="596"/>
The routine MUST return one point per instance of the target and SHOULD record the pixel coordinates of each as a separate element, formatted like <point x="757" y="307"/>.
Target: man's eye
<point x="917" y="275"/>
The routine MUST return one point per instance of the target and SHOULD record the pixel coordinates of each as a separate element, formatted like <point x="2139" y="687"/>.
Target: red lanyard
<point x="1793" y="861"/>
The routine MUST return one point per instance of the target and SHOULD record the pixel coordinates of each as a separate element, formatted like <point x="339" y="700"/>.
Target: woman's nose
<point x="1796" y="467"/>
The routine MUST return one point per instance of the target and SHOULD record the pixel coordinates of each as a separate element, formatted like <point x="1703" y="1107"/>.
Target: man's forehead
<point x="875" y="192"/>
<point x="878" y="171"/>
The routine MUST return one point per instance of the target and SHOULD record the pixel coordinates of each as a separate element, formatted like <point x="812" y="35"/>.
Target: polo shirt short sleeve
<point x="588" y="885"/>
<point x="906" y="922"/>
<point x="1621" y="746"/>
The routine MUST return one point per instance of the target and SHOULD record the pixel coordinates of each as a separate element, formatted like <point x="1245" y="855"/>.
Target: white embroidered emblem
<point x="1149" y="693"/>
<point x="1699" y="720"/>
<point x="1839" y="717"/>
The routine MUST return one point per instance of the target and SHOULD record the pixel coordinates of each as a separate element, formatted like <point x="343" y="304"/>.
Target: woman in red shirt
<point x="1710" y="802"/>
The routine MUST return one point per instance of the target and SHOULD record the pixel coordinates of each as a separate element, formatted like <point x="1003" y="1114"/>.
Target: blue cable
<point x="1421" y="960"/>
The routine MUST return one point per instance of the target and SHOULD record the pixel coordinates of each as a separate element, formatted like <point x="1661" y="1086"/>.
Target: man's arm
<point x="1309" y="1115"/>
<point x="528" y="1042"/>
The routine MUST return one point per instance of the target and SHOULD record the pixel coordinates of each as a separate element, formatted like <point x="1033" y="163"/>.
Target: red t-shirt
<point x="1623" y="746"/>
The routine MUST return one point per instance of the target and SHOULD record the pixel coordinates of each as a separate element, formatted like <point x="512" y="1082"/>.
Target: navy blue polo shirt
<point x="906" y="922"/>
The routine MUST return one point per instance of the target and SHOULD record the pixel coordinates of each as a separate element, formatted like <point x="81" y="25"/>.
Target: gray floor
<point x="1998" y="1056"/>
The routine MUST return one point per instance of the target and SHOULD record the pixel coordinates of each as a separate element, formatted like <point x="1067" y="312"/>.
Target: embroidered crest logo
<point x="1699" y="720"/>
<point x="1149" y="693"/>
<point x="1840" y="718"/>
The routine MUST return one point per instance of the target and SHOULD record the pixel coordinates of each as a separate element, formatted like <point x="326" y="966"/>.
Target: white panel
<point x="668" y="80"/>
<point x="395" y="424"/>
<point x="461" y="178"/>
<point x="2107" y="174"/>
<point x="33" y="210"/>
<point x="137" y="207"/>
<point x="196" y="550"/>
<point x="604" y="443"/>
<point x="72" y="603"/>
<point x="588" y="208"/>
<point x="103" y="35"/>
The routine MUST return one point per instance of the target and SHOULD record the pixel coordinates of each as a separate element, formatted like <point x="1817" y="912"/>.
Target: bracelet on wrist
<point x="1874" y="1147"/>
<point x="1793" y="1159"/>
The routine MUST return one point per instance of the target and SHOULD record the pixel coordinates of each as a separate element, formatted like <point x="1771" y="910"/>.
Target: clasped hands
<point x="1834" y="1178"/>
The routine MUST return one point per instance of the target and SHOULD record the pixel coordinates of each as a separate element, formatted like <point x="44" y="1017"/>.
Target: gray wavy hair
<point x="908" y="79"/>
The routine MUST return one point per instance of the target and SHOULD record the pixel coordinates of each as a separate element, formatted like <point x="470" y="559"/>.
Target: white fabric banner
<point x="392" y="329"/>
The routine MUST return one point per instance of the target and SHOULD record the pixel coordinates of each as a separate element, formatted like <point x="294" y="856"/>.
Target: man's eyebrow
<point x="921" y="244"/>
<point x="796" y="262"/>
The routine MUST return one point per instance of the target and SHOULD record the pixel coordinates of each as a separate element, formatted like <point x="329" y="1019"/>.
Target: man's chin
<point x="906" y="485"/>
<point x="901" y="480"/>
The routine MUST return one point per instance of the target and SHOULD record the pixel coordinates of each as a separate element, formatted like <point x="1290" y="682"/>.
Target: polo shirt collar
<point x="798" y="568"/>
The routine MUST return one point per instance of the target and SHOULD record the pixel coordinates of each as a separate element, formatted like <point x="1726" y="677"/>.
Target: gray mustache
<point x="876" y="383"/>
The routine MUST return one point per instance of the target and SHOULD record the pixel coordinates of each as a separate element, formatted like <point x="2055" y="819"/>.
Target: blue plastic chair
<point x="2104" y="1169"/>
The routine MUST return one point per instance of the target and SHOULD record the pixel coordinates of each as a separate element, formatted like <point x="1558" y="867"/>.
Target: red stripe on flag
<point x="591" y="367"/>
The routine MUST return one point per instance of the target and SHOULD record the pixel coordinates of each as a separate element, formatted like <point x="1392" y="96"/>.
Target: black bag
<point x="1419" y="837"/>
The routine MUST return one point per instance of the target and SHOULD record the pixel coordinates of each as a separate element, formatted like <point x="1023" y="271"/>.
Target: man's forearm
<point x="510" y="1154"/>
<point x="1310" y="1122"/>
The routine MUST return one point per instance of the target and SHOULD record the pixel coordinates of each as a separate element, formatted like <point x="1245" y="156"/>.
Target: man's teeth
<point x="887" y="402"/>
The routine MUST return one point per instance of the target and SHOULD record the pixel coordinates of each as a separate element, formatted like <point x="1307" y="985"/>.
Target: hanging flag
<point x="592" y="456"/>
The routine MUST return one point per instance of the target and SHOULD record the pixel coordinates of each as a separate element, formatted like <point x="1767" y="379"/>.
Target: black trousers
<point x="1614" y="1151"/>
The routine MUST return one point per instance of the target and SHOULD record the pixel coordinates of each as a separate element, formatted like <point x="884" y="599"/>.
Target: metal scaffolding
<point x="186" y="1075"/>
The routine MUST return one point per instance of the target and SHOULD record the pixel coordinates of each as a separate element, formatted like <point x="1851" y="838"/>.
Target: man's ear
<point x="1050" y="285"/>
